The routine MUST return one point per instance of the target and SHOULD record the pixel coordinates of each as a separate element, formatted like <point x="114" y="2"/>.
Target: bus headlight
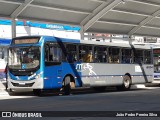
<point x="38" y="75"/>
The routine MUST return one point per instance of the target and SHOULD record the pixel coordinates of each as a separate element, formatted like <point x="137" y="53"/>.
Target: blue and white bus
<point x="44" y="62"/>
<point x="4" y="44"/>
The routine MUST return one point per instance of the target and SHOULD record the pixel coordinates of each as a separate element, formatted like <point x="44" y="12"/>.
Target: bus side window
<point x="56" y="54"/>
<point x="138" y="56"/>
<point x="47" y="53"/>
<point x="85" y="53"/>
<point x="100" y="54"/>
<point x="126" y="56"/>
<point x="147" y="56"/>
<point x="71" y="53"/>
<point x="87" y="57"/>
<point x="114" y="55"/>
<point x="53" y="54"/>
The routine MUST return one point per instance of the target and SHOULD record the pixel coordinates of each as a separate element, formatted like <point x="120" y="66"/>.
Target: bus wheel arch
<point x="127" y="74"/>
<point x="126" y="83"/>
<point x="72" y="80"/>
<point x="68" y="83"/>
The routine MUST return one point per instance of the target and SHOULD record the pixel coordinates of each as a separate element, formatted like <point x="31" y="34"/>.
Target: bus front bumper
<point x="18" y="85"/>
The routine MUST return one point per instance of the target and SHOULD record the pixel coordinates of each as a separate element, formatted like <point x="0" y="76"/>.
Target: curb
<point x="145" y="86"/>
<point x="3" y="92"/>
<point x="138" y="86"/>
<point x="154" y="84"/>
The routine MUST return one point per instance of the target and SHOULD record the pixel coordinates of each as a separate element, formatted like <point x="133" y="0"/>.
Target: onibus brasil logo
<point x="85" y="67"/>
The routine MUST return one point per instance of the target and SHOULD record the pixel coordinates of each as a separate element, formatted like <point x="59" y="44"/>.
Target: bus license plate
<point x="21" y="83"/>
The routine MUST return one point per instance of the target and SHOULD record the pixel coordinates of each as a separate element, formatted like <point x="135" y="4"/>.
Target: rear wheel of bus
<point x="126" y="83"/>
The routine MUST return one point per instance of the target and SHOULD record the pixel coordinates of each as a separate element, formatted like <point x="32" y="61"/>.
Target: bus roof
<point x="50" y="38"/>
<point x="125" y="45"/>
<point x="89" y="42"/>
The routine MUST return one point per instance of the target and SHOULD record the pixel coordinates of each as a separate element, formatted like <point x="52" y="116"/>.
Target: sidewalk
<point x="3" y="91"/>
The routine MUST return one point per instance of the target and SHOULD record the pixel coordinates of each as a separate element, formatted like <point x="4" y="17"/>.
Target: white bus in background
<point x="4" y="43"/>
<point x="156" y="58"/>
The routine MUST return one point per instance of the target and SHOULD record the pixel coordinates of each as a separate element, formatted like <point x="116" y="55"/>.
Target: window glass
<point x="53" y="53"/>
<point x="147" y="57"/>
<point x="71" y="53"/>
<point x="138" y="56"/>
<point x="100" y="54"/>
<point x="156" y="53"/>
<point x="114" y="55"/>
<point x="24" y="57"/>
<point x="126" y="56"/>
<point x="85" y="53"/>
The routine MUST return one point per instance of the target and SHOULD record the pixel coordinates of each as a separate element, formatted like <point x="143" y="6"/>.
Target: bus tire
<point x="37" y="92"/>
<point x="67" y="86"/>
<point x="126" y="84"/>
<point x="100" y="89"/>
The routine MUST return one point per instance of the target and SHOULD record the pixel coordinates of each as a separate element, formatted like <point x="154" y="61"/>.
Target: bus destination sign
<point x="25" y="41"/>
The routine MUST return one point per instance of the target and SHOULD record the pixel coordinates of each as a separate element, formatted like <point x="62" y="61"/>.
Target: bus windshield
<point x="24" y="57"/>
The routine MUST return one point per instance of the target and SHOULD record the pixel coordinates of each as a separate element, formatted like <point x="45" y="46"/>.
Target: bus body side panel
<point x="99" y="74"/>
<point x="143" y="73"/>
<point x="54" y="75"/>
<point x="74" y="70"/>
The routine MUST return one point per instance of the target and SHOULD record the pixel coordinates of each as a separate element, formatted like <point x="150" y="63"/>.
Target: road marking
<point x="14" y="97"/>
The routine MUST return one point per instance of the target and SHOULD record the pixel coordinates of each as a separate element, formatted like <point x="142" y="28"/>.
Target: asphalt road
<point x="147" y="99"/>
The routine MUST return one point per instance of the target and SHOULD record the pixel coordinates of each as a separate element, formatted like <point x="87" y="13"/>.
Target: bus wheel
<point x="67" y="86"/>
<point x="126" y="83"/>
<point x="37" y="92"/>
<point x="100" y="89"/>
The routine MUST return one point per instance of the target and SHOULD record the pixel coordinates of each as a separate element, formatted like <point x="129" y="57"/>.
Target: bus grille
<point x="22" y="73"/>
<point x="25" y="85"/>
